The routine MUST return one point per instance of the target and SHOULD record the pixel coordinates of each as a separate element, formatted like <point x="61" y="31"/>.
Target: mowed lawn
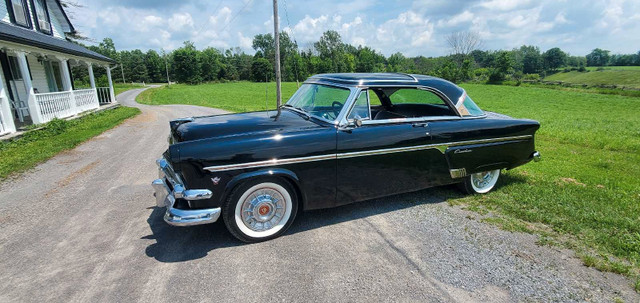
<point x="586" y="187"/>
<point x="235" y="97"/>
<point x="628" y="76"/>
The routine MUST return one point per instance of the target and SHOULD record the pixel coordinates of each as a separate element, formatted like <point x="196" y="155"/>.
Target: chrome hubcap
<point x="482" y="180"/>
<point x="263" y="209"/>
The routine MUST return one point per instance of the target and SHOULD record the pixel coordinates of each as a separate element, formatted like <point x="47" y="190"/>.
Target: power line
<point x="206" y="21"/>
<point x="238" y="13"/>
<point x="295" y="65"/>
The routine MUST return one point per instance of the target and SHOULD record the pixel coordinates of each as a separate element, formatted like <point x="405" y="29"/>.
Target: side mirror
<point x="357" y="122"/>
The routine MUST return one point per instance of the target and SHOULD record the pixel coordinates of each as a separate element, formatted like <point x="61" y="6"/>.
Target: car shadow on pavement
<point x="178" y="244"/>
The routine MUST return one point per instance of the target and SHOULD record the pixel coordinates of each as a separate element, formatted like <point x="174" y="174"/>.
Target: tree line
<point x="330" y="54"/>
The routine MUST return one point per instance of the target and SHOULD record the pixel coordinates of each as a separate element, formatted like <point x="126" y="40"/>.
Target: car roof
<point x="452" y="91"/>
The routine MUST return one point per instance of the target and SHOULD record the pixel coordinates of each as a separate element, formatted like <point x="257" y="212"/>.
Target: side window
<point x="469" y="108"/>
<point x="418" y="103"/>
<point x="360" y="109"/>
<point x="415" y="96"/>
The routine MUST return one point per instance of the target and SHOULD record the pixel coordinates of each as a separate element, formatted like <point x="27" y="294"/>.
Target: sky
<point x="417" y="27"/>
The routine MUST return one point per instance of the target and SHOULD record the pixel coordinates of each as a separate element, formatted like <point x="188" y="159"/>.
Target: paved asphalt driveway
<point x="82" y="227"/>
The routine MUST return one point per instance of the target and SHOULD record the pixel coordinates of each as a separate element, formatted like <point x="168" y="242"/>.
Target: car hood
<point x="238" y="124"/>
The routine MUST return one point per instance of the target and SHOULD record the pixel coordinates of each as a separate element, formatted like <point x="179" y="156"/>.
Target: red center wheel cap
<point x="263" y="210"/>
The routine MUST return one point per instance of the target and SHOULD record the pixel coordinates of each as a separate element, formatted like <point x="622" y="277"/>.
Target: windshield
<point x="322" y="101"/>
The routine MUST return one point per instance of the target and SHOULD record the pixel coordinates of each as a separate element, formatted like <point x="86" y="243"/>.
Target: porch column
<point x="112" y="95"/>
<point x="5" y="109"/>
<point x="92" y="80"/>
<point x="66" y="82"/>
<point x="34" y="108"/>
<point x="66" y="77"/>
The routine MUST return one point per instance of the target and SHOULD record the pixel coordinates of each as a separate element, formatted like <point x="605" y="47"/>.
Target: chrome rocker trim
<point x="442" y="147"/>
<point x="165" y="197"/>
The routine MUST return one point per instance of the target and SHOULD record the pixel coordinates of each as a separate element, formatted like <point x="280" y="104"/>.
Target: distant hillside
<point x="628" y="76"/>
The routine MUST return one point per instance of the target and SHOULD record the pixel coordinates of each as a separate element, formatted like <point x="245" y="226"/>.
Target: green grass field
<point x="584" y="194"/>
<point x="20" y="154"/>
<point x="628" y="76"/>
<point x="235" y="97"/>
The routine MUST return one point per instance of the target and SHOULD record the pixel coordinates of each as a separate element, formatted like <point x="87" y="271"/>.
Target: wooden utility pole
<point x="276" y="35"/>
<point x="166" y="66"/>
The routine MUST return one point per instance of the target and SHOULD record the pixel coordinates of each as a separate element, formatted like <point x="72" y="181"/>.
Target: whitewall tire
<point x="260" y="210"/>
<point x="480" y="183"/>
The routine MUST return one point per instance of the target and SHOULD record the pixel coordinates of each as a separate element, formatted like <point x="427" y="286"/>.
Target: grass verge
<point x="36" y="146"/>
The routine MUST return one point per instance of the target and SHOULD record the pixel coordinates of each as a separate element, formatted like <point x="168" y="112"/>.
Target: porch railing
<point x="65" y="104"/>
<point x="104" y="95"/>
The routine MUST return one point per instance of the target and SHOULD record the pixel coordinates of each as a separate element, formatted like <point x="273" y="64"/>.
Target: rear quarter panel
<point x="483" y="153"/>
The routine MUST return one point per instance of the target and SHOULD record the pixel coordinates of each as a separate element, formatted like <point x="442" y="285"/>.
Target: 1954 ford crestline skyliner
<point x="341" y="138"/>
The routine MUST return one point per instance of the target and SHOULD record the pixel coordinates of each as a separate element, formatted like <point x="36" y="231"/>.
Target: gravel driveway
<point x="82" y="227"/>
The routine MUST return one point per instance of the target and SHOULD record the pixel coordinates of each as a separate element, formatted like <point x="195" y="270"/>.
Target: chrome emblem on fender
<point x="215" y="180"/>
<point x="462" y="151"/>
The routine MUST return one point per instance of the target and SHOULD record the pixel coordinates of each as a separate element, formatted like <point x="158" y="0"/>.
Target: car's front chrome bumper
<point x="166" y="197"/>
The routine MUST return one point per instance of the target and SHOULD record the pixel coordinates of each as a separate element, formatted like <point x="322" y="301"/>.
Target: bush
<point x="532" y="77"/>
<point x="582" y="69"/>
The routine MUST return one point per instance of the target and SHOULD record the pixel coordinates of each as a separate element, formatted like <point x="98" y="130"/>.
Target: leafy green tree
<point x="155" y="66"/>
<point x="532" y="62"/>
<point x="210" y="63"/>
<point x="554" y="58"/>
<point x="598" y="57"/>
<point x="261" y="70"/>
<point x="332" y="52"/>
<point x="186" y="64"/>
<point x="368" y="60"/>
<point x="502" y="68"/>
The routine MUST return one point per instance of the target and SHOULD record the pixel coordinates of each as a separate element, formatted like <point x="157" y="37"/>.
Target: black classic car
<point x="341" y="138"/>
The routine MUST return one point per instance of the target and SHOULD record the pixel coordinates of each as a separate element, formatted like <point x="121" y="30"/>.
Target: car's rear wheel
<point x="480" y="183"/>
<point x="260" y="210"/>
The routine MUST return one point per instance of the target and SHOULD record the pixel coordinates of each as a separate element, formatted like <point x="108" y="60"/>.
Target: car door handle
<point x="422" y="124"/>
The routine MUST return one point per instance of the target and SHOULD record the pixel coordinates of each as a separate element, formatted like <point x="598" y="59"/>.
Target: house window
<point x="42" y="17"/>
<point x="20" y="13"/>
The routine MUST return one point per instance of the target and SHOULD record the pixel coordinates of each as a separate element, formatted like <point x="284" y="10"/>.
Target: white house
<point x="35" y="59"/>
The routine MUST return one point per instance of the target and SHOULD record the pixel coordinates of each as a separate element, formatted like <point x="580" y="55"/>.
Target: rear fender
<point x="468" y="159"/>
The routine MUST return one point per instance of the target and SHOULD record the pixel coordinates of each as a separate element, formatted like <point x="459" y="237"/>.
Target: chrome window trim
<point x="442" y="147"/>
<point x="354" y="105"/>
<point x="413" y="79"/>
<point x="438" y="93"/>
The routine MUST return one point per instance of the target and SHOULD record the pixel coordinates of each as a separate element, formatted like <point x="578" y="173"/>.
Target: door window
<point x="415" y="103"/>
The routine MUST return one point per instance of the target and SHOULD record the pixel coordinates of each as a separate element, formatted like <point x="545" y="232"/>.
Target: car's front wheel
<point x="480" y="183"/>
<point x="260" y="210"/>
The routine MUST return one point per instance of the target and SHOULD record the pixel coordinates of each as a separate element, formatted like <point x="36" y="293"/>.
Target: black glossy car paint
<point x="206" y="143"/>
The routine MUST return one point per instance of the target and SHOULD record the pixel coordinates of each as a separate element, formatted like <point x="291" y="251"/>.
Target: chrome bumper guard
<point x="165" y="197"/>
<point x="536" y="156"/>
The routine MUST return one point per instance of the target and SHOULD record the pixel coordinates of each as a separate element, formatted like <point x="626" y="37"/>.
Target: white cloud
<point x="504" y="5"/>
<point x="463" y="17"/>
<point x="180" y="22"/>
<point x="415" y="27"/>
